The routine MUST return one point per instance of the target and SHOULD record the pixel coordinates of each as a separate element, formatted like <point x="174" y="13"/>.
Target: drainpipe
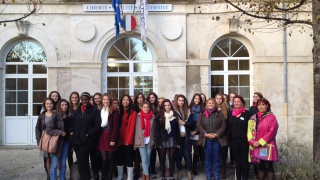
<point x="285" y="104"/>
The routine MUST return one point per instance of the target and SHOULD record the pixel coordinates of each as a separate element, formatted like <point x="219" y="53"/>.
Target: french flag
<point x="129" y="23"/>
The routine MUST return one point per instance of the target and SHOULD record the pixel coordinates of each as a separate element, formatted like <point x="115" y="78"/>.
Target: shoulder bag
<point x="48" y="143"/>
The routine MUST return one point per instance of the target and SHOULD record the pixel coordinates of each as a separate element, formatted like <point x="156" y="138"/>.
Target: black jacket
<point x="86" y="125"/>
<point x="161" y="134"/>
<point x="238" y="126"/>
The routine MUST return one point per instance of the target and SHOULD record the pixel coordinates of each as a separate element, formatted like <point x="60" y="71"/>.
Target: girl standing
<point x="128" y="117"/>
<point x="42" y="124"/>
<point x="59" y="125"/>
<point x="108" y="141"/>
<point x="167" y="136"/>
<point x="144" y="137"/>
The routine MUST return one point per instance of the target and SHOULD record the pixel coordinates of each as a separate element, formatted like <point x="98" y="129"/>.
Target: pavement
<point x="25" y="163"/>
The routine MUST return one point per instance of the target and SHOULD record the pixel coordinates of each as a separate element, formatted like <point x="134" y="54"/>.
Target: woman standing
<point x="262" y="131"/>
<point x="212" y="125"/>
<point x="86" y="127"/>
<point x="137" y="105"/>
<point x="196" y="106"/>
<point x="223" y="108"/>
<point x="182" y="110"/>
<point x="152" y="98"/>
<point x="204" y="98"/>
<point x="167" y="136"/>
<point x="74" y="102"/>
<point x="59" y="125"/>
<point x="256" y="96"/>
<point x="42" y="124"/>
<point x="97" y="98"/>
<point x="108" y="141"/>
<point x="144" y="137"/>
<point x="55" y="95"/>
<point x="237" y="125"/>
<point x="128" y="117"/>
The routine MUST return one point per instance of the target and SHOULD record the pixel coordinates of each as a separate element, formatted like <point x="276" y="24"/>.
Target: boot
<point x="189" y="175"/>
<point x="167" y="172"/>
<point x="136" y="174"/>
<point x="179" y="175"/>
<point x="223" y="172"/>
<point x="194" y="164"/>
<point x="130" y="173"/>
<point x="120" y="172"/>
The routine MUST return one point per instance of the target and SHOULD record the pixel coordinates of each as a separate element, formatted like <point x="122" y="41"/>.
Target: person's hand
<point x="71" y="133"/>
<point x="193" y="133"/>
<point x="214" y="135"/>
<point x="178" y="147"/>
<point x="256" y="144"/>
<point x="181" y="123"/>
<point x="112" y="143"/>
<point x="63" y="134"/>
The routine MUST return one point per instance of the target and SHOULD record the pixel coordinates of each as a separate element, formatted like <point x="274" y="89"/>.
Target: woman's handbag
<point x="48" y="143"/>
<point x="263" y="153"/>
<point x="182" y="131"/>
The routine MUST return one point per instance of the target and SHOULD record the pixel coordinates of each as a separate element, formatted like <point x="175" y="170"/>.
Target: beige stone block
<point x="86" y="80"/>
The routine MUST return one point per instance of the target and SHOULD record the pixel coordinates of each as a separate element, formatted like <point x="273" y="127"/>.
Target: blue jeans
<point x="145" y="154"/>
<point x="212" y="158"/>
<point x="62" y="159"/>
<point x="184" y="151"/>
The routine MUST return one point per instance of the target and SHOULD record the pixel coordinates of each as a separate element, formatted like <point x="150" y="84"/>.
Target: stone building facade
<point x="190" y="47"/>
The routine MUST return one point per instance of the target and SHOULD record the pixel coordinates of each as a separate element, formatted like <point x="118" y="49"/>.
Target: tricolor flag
<point x="128" y="23"/>
<point x="143" y="18"/>
<point x="117" y="17"/>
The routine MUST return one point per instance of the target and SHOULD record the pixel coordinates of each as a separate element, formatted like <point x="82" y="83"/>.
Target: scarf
<point x="236" y="112"/>
<point x="255" y="104"/>
<point x="104" y="117"/>
<point x="145" y="122"/>
<point x="83" y="108"/>
<point x="195" y="111"/>
<point x="169" y="116"/>
<point x="208" y="112"/>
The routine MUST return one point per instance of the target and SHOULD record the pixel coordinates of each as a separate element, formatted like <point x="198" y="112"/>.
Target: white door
<point x="24" y="88"/>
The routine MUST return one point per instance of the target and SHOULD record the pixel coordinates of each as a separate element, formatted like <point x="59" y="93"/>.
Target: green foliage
<point x="296" y="162"/>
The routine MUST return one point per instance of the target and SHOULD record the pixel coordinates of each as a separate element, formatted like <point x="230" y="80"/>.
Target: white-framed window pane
<point x="244" y="80"/>
<point x="244" y="65"/>
<point x="142" y="67"/>
<point x="217" y="65"/>
<point x="217" y="80"/>
<point x="26" y="51"/>
<point x="39" y="69"/>
<point x="233" y="65"/>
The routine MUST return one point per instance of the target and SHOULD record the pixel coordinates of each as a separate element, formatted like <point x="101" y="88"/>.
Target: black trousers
<point x="240" y="149"/>
<point x="82" y="152"/>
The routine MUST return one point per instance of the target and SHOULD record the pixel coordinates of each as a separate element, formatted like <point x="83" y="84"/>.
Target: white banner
<point x="126" y="7"/>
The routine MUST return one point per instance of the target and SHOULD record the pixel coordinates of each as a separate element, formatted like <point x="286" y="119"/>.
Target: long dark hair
<point x="201" y="104"/>
<point x="162" y="111"/>
<point x="58" y="106"/>
<point x="184" y="107"/>
<point x="154" y="105"/>
<point x="129" y="109"/>
<point x="136" y="105"/>
<point x="59" y="97"/>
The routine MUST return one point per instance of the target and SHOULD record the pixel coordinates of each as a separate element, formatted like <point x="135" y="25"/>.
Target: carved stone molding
<point x="233" y="24"/>
<point x="22" y="26"/>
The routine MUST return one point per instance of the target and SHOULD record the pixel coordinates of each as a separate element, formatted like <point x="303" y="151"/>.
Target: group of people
<point x="126" y="134"/>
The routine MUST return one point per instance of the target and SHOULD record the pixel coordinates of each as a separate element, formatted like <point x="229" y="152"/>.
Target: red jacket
<point x="127" y="127"/>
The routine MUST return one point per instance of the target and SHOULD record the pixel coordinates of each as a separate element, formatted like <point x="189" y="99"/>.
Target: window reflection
<point x="26" y="51"/>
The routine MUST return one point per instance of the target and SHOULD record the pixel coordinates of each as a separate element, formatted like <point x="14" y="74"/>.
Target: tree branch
<point x="286" y="21"/>
<point x="292" y="8"/>
<point x="13" y="20"/>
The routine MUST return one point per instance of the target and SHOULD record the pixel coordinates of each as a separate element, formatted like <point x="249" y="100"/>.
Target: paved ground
<point x="24" y="163"/>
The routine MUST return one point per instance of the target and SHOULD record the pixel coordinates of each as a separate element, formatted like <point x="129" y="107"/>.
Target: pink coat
<point x="267" y="131"/>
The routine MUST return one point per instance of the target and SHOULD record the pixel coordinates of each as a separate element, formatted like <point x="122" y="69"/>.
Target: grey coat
<point x="138" y="135"/>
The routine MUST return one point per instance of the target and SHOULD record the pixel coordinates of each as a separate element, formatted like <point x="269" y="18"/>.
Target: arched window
<point x="25" y="88"/>
<point x="230" y="69"/>
<point x="128" y="68"/>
